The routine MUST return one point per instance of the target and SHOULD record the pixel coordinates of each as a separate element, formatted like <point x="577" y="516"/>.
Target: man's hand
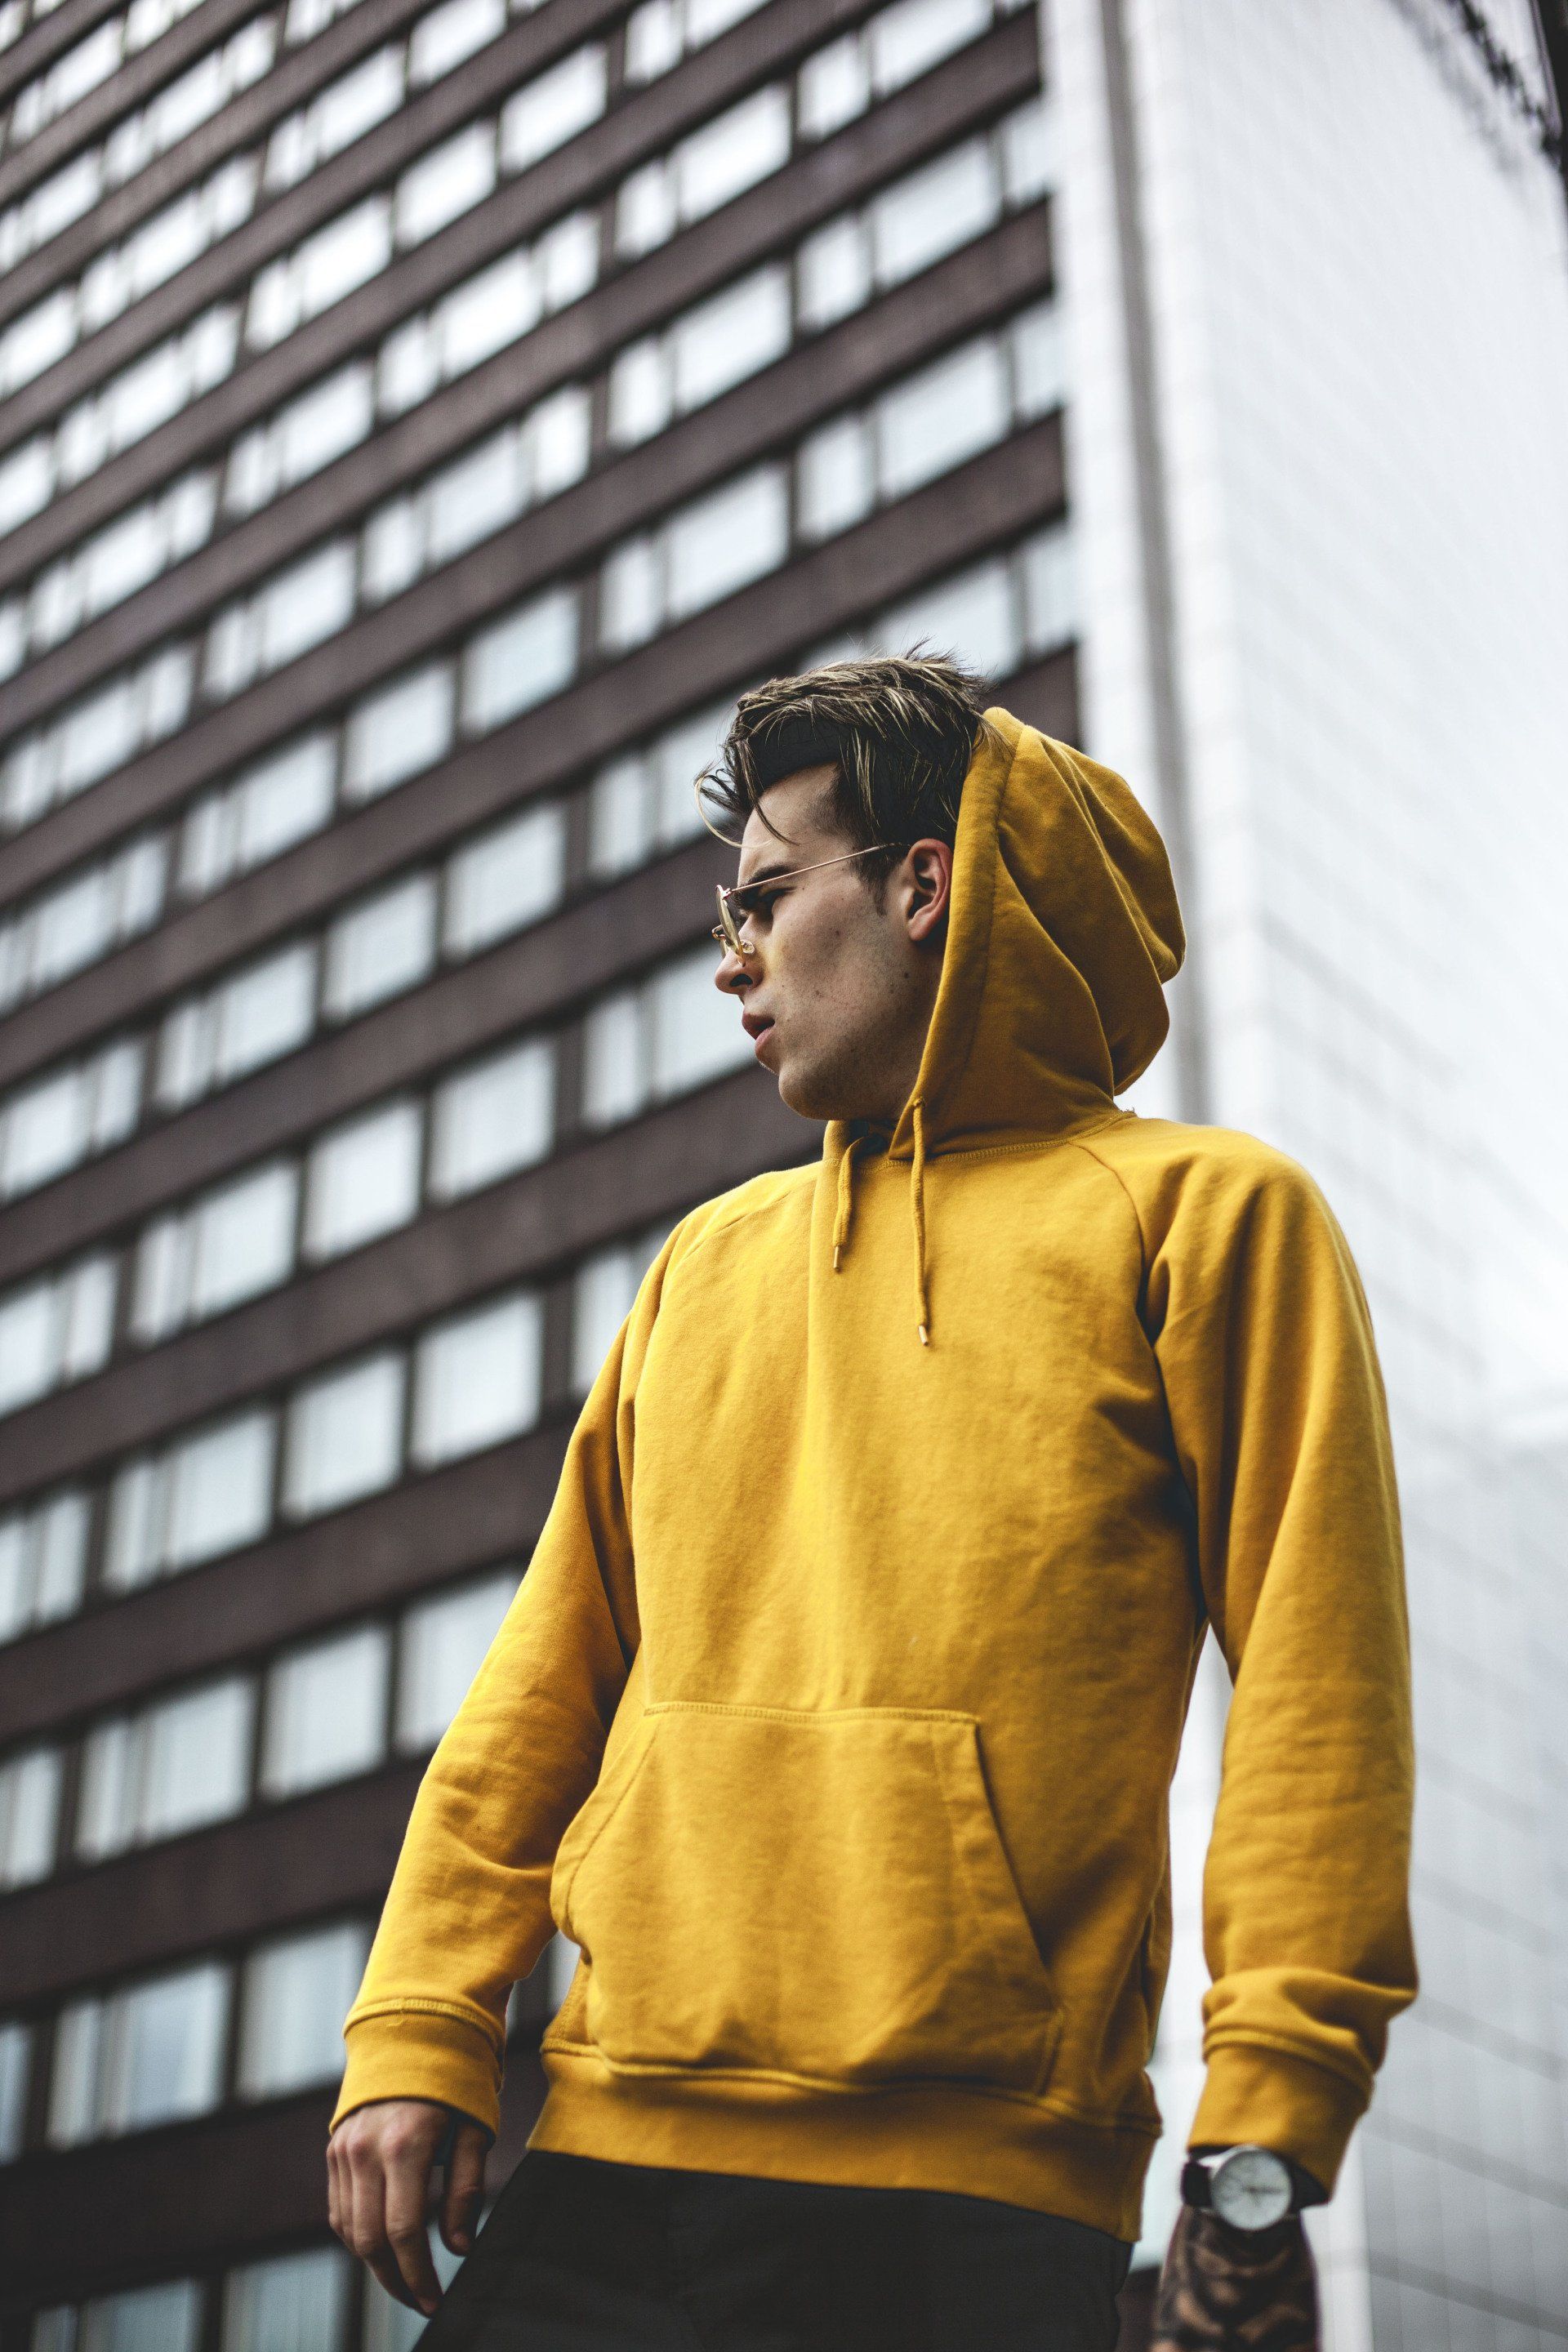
<point x="1226" y="2290"/>
<point x="379" y="2162"/>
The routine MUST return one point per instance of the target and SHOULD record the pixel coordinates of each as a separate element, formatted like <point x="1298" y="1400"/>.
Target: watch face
<point x="1250" y="2189"/>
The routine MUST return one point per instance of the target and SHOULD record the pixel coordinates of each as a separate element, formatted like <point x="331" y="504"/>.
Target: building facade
<point x="1314" y="265"/>
<point x="420" y="422"/>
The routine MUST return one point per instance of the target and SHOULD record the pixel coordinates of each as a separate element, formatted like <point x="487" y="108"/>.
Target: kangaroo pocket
<point x="817" y="1896"/>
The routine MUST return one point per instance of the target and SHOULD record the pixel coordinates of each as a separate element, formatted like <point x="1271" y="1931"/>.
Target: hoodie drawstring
<point x="844" y="1214"/>
<point x="918" y="1211"/>
<point x="846" y="1207"/>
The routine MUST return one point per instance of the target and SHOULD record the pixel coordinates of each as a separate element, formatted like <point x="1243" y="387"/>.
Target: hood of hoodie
<point x="1063" y="932"/>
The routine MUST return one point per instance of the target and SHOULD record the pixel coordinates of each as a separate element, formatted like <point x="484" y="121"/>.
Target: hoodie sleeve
<point x="469" y="1910"/>
<point x="1276" y="1405"/>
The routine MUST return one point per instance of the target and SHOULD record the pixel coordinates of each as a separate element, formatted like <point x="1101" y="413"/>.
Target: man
<point x="835" y="1717"/>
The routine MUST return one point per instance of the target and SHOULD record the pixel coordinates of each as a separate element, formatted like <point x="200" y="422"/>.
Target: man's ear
<point x="928" y="869"/>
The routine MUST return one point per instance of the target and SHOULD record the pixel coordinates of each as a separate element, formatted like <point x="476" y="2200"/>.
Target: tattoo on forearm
<point x="1223" y="2290"/>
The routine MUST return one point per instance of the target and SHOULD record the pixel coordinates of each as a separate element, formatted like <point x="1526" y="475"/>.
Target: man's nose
<point x="731" y="976"/>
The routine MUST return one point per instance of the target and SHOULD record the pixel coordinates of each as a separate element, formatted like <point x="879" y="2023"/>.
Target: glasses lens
<point x="728" y="933"/>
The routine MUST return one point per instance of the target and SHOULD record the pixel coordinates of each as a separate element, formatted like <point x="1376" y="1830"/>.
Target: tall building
<point x="1316" y="272"/>
<point x="420" y="422"/>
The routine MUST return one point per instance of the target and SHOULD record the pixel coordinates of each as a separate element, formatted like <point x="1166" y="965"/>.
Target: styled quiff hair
<point x="900" y="730"/>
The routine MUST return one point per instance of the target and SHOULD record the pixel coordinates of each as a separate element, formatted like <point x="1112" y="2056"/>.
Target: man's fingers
<point x="407" y="2196"/>
<point x="364" y="2196"/>
<point x="465" y="2188"/>
<point x="384" y="2268"/>
<point x="334" y="2198"/>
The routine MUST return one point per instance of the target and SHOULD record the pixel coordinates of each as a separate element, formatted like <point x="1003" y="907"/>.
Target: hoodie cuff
<point x="1279" y="2101"/>
<point x="421" y="2054"/>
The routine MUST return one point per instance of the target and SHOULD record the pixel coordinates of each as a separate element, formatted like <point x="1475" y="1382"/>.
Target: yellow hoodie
<point x="835" y="1717"/>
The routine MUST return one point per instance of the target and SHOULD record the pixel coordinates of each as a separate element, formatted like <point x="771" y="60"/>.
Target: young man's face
<point x="838" y="992"/>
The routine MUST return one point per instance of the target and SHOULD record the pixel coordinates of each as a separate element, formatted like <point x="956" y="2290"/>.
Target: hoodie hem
<point x="925" y="2136"/>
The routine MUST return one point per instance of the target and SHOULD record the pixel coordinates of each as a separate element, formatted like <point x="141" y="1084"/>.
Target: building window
<point x="243" y="1239"/>
<point x="446" y="36"/>
<point x="602" y="1294"/>
<point x="297" y="1993"/>
<point x="1039" y="359"/>
<point x="363" y="1179"/>
<point x="144" y="2319"/>
<point x="520" y="661"/>
<point x="991" y="616"/>
<point x="441" y="1648"/>
<point x="344" y="1435"/>
<point x="710" y="167"/>
<point x="336" y="117"/>
<point x="477" y="494"/>
<point x="933" y="421"/>
<point x="492" y="1118"/>
<point x="326" y="1712"/>
<point x="56" y="1330"/>
<point x="976" y="614"/>
<point x="476" y="1379"/>
<point x="614" y="1059"/>
<point x="97" y="734"/>
<point x="1050" y="591"/>
<point x="834" y="86"/>
<point x="83" y="919"/>
<point x="282" y="799"/>
<point x="704" y="550"/>
<point x="486" y="312"/>
<point x="469" y="498"/>
<point x="29" y="1815"/>
<point x="295" y="2303"/>
<point x="208" y="1494"/>
<point x="505" y="878"/>
<point x="673" y="1033"/>
<point x="219" y="1488"/>
<point x="119" y="559"/>
<point x="262" y="1013"/>
<point x="147" y="2055"/>
<point x="15" y="2059"/>
<point x="549" y="112"/>
<point x="309" y="432"/>
<point x="447" y="183"/>
<point x="328" y="266"/>
<point x="380" y="946"/>
<point x="43" y="1562"/>
<point x="398" y="732"/>
<point x="837" y="482"/>
<point x="56" y="1121"/>
<point x="176" y="1766"/>
<point x="710" y="348"/>
<point x="289" y="615"/>
<point x="644" y="802"/>
<point x="234" y="1243"/>
<point x="661" y="31"/>
<point x="696" y="1033"/>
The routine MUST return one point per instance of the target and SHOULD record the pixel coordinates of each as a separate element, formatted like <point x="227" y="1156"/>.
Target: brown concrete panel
<point x="518" y="1231"/>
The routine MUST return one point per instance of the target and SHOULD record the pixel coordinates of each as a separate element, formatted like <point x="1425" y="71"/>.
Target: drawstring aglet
<point x="837" y="1255"/>
<point x="925" y="1335"/>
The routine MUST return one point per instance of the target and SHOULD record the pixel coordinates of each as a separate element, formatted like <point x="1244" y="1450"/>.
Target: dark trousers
<point x="581" y="2256"/>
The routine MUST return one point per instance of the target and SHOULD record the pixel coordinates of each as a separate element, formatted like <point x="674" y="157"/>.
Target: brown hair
<point x="899" y="729"/>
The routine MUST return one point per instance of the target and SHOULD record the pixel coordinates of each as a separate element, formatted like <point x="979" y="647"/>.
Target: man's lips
<point x="755" y="1025"/>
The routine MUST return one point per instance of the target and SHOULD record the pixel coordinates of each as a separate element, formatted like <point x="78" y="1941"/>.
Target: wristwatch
<point x="1248" y="2186"/>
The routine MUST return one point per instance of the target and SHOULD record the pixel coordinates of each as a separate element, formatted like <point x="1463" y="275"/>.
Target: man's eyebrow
<point x="765" y="874"/>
